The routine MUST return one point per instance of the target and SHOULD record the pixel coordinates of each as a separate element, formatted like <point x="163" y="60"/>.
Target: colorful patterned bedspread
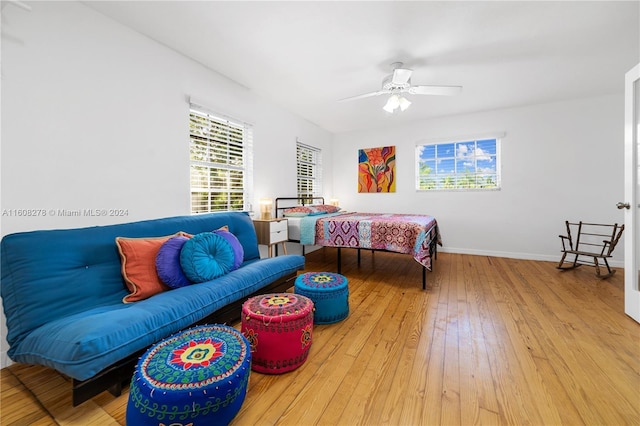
<point x="400" y="233"/>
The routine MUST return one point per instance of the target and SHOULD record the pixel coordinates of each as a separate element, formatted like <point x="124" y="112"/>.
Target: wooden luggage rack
<point x="593" y="242"/>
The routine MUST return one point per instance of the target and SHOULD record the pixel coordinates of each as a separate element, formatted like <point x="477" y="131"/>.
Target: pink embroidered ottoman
<point x="278" y="328"/>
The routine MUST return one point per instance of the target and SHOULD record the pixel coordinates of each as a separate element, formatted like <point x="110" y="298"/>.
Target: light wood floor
<point x="491" y="341"/>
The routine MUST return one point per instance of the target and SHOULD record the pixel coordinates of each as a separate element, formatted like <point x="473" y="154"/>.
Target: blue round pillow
<point x="206" y="256"/>
<point x="168" y="263"/>
<point x="238" y="251"/>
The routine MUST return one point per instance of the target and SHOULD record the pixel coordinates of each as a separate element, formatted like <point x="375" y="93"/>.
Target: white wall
<point x="95" y="116"/>
<point x="559" y="161"/>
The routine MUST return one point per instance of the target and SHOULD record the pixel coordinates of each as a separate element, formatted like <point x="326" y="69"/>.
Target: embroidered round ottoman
<point x="278" y="328"/>
<point x="329" y="292"/>
<point x="196" y="377"/>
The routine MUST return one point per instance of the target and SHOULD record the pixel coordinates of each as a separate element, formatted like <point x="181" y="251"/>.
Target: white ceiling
<point x="305" y="56"/>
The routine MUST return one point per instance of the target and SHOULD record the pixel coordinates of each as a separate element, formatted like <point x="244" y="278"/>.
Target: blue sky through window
<point x="470" y="164"/>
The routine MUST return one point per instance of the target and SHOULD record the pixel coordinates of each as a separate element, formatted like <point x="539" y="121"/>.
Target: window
<point x="309" y="162"/>
<point x="221" y="162"/>
<point x="465" y="165"/>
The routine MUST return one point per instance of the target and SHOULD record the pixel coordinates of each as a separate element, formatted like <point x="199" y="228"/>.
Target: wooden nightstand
<point x="271" y="232"/>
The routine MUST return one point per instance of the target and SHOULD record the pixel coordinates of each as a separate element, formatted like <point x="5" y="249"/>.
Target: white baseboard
<point x="511" y="255"/>
<point x="525" y="256"/>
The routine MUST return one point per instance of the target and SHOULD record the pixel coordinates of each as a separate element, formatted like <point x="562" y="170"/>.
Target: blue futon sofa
<point x="63" y="290"/>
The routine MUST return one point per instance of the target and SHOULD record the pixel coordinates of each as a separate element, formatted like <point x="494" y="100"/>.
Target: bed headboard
<point x="284" y="203"/>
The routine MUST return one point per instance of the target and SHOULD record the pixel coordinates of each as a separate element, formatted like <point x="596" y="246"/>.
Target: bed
<point x="414" y="234"/>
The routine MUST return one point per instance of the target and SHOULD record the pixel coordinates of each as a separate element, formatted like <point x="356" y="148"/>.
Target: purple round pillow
<point x="168" y="263"/>
<point x="238" y="250"/>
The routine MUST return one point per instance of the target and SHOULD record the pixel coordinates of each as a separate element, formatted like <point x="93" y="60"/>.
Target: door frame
<point x="631" y="123"/>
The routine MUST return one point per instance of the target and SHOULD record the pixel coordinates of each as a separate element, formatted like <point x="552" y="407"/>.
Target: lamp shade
<point x="404" y="103"/>
<point x="392" y="103"/>
<point x="265" y="208"/>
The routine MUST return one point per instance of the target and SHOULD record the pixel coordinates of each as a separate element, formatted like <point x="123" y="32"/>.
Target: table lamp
<point x="265" y="208"/>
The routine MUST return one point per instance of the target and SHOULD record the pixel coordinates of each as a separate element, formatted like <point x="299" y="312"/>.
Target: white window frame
<point x="459" y="180"/>
<point x="308" y="170"/>
<point x="229" y="152"/>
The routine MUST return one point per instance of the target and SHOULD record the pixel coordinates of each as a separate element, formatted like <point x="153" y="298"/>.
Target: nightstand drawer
<point x="279" y="236"/>
<point x="278" y="226"/>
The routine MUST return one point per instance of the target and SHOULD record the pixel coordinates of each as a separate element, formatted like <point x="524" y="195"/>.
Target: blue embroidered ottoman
<point x="196" y="377"/>
<point x="329" y="292"/>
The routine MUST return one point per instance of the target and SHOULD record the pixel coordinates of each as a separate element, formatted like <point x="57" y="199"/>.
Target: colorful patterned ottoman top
<point x="321" y="280"/>
<point x="279" y="329"/>
<point x="329" y="292"/>
<point x="198" y="377"/>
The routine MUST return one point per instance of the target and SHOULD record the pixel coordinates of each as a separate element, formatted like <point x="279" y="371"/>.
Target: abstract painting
<point x="377" y="169"/>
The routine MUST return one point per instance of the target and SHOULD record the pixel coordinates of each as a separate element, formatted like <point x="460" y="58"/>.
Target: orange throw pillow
<point x="138" y="256"/>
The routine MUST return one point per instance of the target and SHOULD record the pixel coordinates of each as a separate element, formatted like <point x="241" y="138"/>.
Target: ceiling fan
<point x="398" y="83"/>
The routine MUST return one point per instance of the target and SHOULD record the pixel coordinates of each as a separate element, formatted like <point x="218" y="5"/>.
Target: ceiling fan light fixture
<point x="404" y="103"/>
<point x="399" y="82"/>
<point x="394" y="102"/>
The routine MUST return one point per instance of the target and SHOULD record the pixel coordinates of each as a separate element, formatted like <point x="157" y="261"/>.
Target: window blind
<point x="221" y="168"/>
<point x="309" y="170"/>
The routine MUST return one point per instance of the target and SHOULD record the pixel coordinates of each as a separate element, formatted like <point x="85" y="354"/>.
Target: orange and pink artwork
<point x="377" y="169"/>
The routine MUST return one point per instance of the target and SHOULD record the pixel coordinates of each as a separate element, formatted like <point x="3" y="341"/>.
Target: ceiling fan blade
<point x="435" y="90"/>
<point x="401" y="76"/>
<point x="366" y="95"/>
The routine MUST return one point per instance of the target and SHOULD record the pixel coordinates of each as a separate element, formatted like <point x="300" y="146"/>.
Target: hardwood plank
<point x="423" y="381"/>
<point x="480" y="335"/>
<point x="450" y="399"/>
<point x="380" y="360"/>
<point x="347" y="366"/>
<point x="18" y="405"/>
<point x="592" y="367"/>
<point x="390" y="395"/>
<point x="520" y="349"/>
